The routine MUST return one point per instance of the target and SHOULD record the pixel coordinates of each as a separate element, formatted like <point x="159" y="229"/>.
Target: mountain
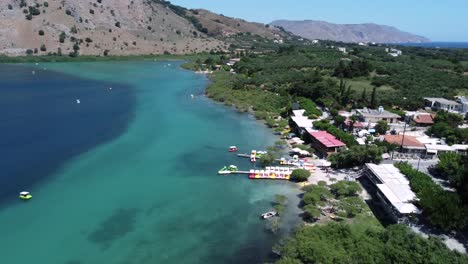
<point x="312" y="29"/>
<point x="117" y="27"/>
<point x="223" y="26"/>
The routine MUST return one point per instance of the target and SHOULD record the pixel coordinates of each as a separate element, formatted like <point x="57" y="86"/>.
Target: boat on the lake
<point x="232" y="149"/>
<point x="269" y="215"/>
<point x="25" y="196"/>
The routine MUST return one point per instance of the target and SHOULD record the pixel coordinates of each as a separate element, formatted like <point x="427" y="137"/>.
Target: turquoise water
<point x="151" y="194"/>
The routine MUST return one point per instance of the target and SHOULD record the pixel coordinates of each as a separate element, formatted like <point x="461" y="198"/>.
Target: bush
<point x="43" y="47"/>
<point x="345" y="188"/>
<point x="62" y="37"/>
<point x="117" y="24"/>
<point x="29" y="51"/>
<point x="316" y="194"/>
<point x="267" y="159"/>
<point x="311" y="212"/>
<point x="300" y="175"/>
<point x="41" y="32"/>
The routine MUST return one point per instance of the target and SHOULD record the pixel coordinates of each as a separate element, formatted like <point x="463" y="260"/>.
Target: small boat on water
<point x="232" y="149"/>
<point x="268" y="215"/>
<point x="228" y="170"/>
<point x="78" y="101"/>
<point x="25" y="196"/>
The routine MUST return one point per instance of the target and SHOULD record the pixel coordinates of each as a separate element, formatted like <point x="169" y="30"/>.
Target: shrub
<point x="68" y="12"/>
<point x="41" y="32"/>
<point x="29" y="51"/>
<point x="345" y="188"/>
<point x="311" y="212"/>
<point x="117" y="24"/>
<point x="62" y="37"/>
<point x="300" y="175"/>
<point x="43" y="47"/>
<point x="46" y="4"/>
<point x="88" y="40"/>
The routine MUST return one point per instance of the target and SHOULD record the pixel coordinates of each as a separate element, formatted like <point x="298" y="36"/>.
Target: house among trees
<point x="438" y="104"/>
<point x="373" y="116"/>
<point x="393" y="189"/>
<point x="424" y="119"/>
<point x="325" y="143"/>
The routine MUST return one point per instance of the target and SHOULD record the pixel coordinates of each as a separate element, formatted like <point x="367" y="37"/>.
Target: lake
<point x="128" y="174"/>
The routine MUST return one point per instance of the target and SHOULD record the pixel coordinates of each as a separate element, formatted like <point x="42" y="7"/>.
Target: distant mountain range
<point x="369" y="32"/>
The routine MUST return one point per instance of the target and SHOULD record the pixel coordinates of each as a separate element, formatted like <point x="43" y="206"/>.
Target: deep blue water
<point x="42" y="125"/>
<point x="463" y="45"/>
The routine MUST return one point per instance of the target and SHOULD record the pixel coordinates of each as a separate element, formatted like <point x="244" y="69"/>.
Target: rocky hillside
<point x="312" y="29"/>
<point x="117" y="27"/>
<point x="222" y="26"/>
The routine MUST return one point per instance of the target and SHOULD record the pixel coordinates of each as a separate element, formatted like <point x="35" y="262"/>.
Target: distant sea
<point x="458" y="45"/>
<point x="129" y="174"/>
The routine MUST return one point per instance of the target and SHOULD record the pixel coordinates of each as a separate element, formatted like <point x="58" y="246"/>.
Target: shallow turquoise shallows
<point x="152" y="193"/>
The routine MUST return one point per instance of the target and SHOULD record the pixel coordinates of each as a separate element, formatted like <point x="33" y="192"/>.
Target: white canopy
<point x="24" y="193"/>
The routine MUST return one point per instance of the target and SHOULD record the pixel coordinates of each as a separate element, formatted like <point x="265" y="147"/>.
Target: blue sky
<point x="439" y="20"/>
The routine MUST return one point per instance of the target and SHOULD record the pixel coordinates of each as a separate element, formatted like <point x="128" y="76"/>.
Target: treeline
<point x="443" y="209"/>
<point x="342" y="243"/>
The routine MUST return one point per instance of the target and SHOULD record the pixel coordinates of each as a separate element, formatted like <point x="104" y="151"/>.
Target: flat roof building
<point x="437" y="103"/>
<point x="393" y="189"/>
<point x="372" y="115"/>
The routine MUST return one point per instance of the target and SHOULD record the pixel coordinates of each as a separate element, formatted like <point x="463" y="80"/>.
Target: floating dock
<point x="270" y="173"/>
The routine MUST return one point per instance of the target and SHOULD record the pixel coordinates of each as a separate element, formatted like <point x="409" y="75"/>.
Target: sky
<point x="438" y="20"/>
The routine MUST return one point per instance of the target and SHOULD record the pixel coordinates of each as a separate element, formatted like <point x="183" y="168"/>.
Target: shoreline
<point x="92" y="58"/>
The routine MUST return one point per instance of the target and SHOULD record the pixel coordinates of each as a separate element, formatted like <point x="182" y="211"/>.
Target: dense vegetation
<point x="360" y="238"/>
<point x="366" y="77"/>
<point x="446" y="126"/>
<point x="343" y="243"/>
<point x="443" y="209"/>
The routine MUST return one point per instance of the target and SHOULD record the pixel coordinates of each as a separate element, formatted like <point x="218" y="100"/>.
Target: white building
<point x="342" y="49"/>
<point x="393" y="189"/>
<point x="437" y="104"/>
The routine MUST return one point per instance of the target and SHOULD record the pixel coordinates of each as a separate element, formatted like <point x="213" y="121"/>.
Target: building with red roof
<point x="325" y="143"/>
<point x="424" y="119"/>
<point x="408" y="143"/>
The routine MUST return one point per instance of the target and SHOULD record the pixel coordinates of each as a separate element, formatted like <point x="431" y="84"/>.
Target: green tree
<point x="339" y="121"/>
<point x="345" y="188"/>
<point x="311" y="212"/>
<point x="382" y="127"/>
<point x="267" y="159"/>
<point x="373" y="102"/>
<point x="300" y="175"/>
<point x="316" y="194"/>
